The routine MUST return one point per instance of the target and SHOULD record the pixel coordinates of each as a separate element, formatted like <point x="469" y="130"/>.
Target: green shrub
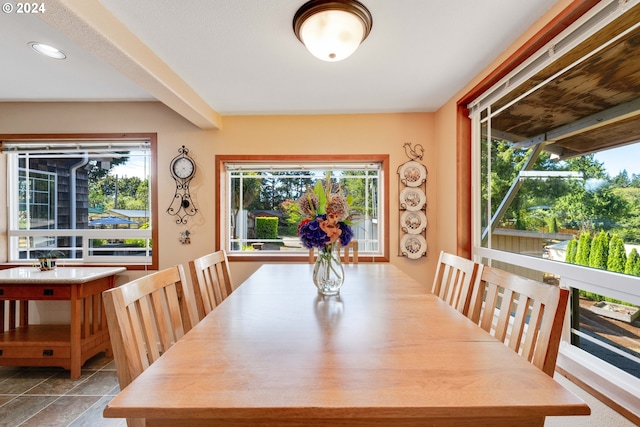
<point x="584" y="247"/>
<point x="572" y="249"/>
<point x="632" y="266"/>
<point x="599" y="252"/>
<point x="617" y="255"/>
<point x="266" y="227"/>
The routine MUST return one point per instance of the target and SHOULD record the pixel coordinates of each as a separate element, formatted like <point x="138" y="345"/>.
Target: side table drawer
<point x="38" y="292"/>
<point x="35" y="351"/>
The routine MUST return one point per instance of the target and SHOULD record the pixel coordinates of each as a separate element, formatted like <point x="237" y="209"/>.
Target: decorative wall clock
<point x="183" y="169"/>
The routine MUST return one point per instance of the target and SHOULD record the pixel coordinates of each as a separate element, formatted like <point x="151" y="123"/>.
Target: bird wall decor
<point x="417" y="152"/>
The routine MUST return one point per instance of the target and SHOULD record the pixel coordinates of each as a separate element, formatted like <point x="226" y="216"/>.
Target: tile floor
<point x="31" y="397"/>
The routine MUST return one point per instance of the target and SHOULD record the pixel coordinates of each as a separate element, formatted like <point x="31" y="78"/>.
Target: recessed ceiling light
<point x="46" y="50"/>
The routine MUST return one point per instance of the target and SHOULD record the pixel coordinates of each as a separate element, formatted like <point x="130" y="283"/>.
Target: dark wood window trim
<point x="151" y="137"/>
<point x="382" y="158"/>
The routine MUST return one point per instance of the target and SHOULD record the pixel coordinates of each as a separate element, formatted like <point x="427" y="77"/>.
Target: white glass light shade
<point x="332" y="35"/>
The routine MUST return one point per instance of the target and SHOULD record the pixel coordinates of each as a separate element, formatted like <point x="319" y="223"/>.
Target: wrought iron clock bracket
<point x="183" y="169"/>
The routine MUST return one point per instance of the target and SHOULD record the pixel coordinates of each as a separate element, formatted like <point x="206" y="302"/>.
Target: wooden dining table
<point x="384" y="352"/>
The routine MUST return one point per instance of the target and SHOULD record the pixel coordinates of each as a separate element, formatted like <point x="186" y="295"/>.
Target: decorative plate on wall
<point x="413" y="246"/>
<point x="413" y="174"/>
<point x="412" y="199"/>
<point x="413" y="222"/>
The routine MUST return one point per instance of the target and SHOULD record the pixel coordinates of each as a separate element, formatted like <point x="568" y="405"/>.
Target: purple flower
<point x="347" y="233"/>
<point x="311" y="235"/>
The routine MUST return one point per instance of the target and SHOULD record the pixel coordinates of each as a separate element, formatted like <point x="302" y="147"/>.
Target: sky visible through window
<point x="618" y="159"/>
<point x="135" y="167"/>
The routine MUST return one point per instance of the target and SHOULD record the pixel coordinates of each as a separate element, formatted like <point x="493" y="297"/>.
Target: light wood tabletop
<point x="385" y="352"/>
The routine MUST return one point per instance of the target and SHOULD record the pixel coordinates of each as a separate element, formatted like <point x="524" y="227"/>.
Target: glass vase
<point x="328" y="273"/>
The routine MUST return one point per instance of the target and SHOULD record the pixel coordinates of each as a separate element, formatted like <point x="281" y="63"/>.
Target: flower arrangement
<point x="327" y="216"/>
<point x="326" y="224"/>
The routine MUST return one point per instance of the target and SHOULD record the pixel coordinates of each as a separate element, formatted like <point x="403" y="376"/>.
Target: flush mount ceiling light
<point x="46" y="50"/>
<point x="332" y="30"/>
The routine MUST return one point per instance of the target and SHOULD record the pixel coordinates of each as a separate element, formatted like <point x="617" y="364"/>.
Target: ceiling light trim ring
<point x="313" y="7"/>
<point x="47" y="50"/>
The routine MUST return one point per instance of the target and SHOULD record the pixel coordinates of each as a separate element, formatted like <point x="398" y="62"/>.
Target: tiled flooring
<point x="31" y="397"/>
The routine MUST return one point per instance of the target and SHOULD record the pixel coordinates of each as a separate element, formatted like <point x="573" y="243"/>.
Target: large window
<point x="262" y="190"/>
<point x="80" y="200"/>
<point x="555" y="149"/>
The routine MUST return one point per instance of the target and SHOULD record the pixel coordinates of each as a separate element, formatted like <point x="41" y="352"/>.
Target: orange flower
<point x="331" y="229"/>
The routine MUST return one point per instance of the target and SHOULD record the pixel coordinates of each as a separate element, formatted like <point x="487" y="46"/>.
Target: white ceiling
<point x="238" y="57"/>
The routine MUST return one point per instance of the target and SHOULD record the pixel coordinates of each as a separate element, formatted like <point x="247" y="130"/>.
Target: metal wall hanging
<point x="412" y="186"/>
<point x="182" y="169"/>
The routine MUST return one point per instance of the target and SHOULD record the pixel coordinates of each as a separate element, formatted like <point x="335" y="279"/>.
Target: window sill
<point x="615" y="388"/>
<point x="4" y="266"/>
<point x="302" y="257"/>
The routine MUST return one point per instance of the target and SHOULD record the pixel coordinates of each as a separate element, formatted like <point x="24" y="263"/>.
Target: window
<point x="257" y="187"/>
<point x="557" y="185"/>
<point x="81" y="200"/>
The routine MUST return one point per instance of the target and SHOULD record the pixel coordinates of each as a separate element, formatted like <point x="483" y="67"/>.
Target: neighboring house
<point x="57" y="190"/>
<point x="141" y="216"/>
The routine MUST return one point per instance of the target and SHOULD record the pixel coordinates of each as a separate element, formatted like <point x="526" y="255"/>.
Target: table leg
<point x="3" y="303"/>
<point x="75" y="343"/>
<point x="24" y="313"/>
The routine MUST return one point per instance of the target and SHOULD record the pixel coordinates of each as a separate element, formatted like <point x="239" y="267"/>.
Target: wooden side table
<point x="67" y="346"/>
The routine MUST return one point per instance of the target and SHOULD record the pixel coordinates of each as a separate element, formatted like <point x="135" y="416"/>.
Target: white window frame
<point x="80" y="143"/>
<point x="315" y="162"/>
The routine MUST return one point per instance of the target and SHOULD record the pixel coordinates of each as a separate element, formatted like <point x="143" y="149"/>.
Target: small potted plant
<point x="47" y="261"/>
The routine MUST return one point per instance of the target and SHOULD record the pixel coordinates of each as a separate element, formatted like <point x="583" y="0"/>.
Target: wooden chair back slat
<point x="145" y="317"/>
<point x="455" y="280"/>
<point x="348" y="253"/>
<point x="525" y="314"/>
<point x="211" y="278"/>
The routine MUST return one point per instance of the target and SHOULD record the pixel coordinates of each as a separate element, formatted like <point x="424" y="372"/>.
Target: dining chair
<point x="145" y="317"/>
<point x="525" y="314"/>
<point x="348" y="253"/>
<point x="455" y="279"/>
<point x="211" y="278"/>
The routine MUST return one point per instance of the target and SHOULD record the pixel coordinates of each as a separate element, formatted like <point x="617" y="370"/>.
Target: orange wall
<point x="334" y="134"/>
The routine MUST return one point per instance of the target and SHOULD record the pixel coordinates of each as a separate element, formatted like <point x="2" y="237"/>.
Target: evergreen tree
<point x="622" y="180"/>
<point x="572" y="249"/>
<point x="632" y="265"/>
<point x="617" y="255"/>
<point x="584" y="246"/>
<point x="599" y="252"/>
